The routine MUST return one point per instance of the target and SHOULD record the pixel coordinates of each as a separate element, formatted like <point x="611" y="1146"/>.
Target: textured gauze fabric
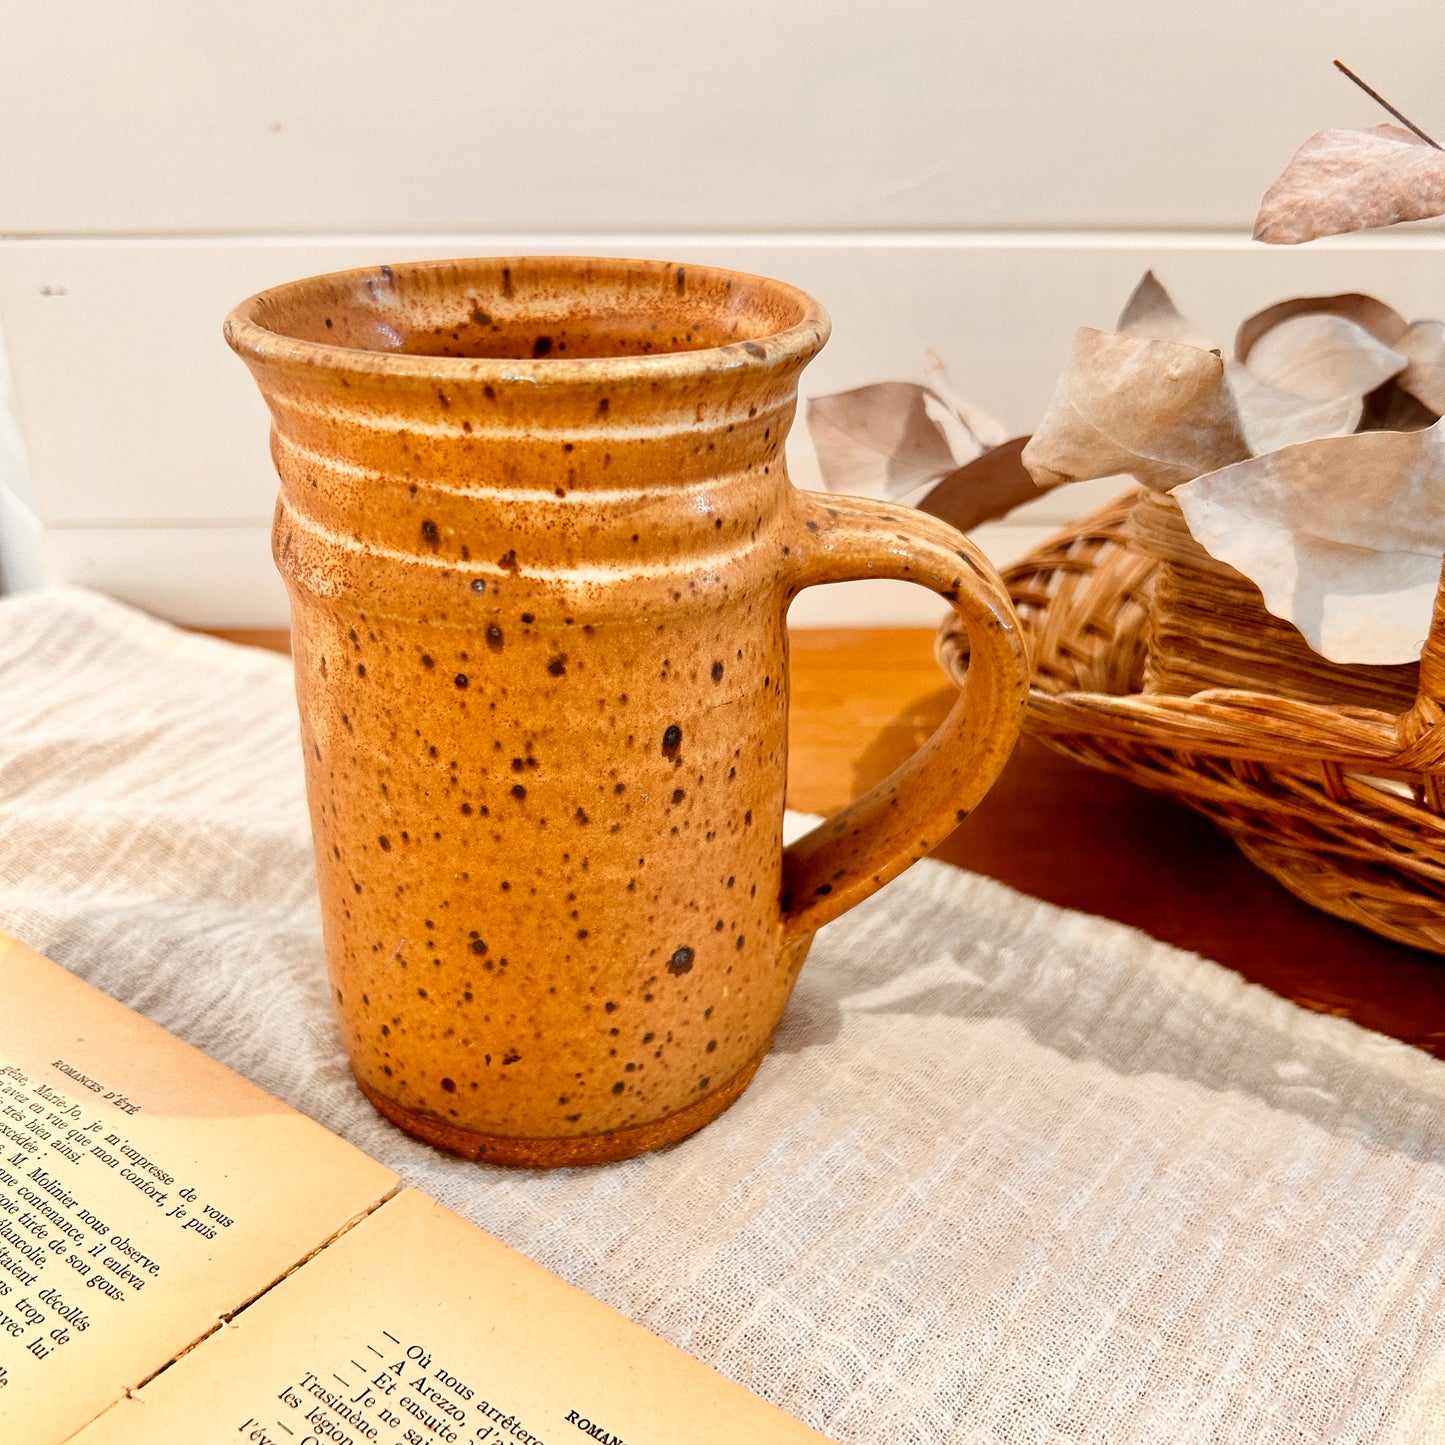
<point x="1009" y="1174"/>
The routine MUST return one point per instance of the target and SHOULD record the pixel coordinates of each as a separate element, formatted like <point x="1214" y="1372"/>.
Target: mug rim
<point x="256" y="342"/>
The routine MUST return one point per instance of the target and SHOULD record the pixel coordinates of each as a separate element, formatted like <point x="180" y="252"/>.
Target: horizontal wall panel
<point x="135" y="413"/>
<point x="146" y="442"/>
<point x="199" y="576"/>
<point x="454" y="115"/>
<point x="224" y="577"/>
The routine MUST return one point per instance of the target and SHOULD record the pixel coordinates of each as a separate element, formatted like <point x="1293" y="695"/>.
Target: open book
<point x="186" y="1260"/>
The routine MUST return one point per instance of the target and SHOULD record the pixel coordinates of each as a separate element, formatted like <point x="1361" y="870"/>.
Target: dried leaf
<point x="1157" y="409"/>
<point x="1343" y="537"/>
<point x="1320" y="357"/>
<point x="987" y="487"/>
<point x="1269" y="417"/>
<point x="880" y="441"/>
<point x="1352" y="180"/>
<point x="1272" y="418"/>
<point x="1381" y="321"/>
<point x="1424" y="377"/>
<point x="983" y="431"/>
<point x="1390" y="408"/>
<point x="1307" y="365"/>
<point x="1150" y="313"/>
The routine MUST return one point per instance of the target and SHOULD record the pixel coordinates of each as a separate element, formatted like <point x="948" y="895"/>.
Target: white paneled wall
<point x="980" y="178"/>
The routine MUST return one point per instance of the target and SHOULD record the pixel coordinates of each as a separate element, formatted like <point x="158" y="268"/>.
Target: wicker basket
<point x="1155" y="662"/>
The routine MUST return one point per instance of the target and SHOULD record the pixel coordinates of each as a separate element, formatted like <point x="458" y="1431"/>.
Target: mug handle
<point x="853" y="853"/>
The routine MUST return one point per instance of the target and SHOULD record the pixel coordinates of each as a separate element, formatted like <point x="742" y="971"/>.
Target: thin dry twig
<point x="1381" y="101"/>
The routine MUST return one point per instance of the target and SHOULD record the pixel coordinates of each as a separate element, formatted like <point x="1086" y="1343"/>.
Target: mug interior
<point x="537" y="309"/>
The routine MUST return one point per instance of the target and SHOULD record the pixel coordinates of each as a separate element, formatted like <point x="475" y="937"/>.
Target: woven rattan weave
<point x="1155" y="662"/>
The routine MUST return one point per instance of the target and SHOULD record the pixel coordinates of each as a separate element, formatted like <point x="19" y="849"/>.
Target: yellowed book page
<point x="415" y="1328"/>
<point x="145" y="1192"/>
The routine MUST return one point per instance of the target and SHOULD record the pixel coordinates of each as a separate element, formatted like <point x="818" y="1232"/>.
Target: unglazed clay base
<point x="561" y="1153"/>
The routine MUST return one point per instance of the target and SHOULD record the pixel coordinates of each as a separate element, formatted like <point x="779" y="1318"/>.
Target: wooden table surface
<point x="863" y="699"/>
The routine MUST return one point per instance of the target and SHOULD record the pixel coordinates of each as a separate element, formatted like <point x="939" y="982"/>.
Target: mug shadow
<point x="813" y="1020"/>
<point x="981" y="968"/>
<point x="980" y="964"/>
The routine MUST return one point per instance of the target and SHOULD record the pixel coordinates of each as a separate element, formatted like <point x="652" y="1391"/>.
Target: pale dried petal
<point x="1343" y="537"/>
<point x="1424" y="377"/>
<point x="1150" y="313"/>
<point x="963" y="445"/>
<point x="983" y="429"/>
<point x="1352" y="180"/>
<point x="1272" y="419"/>
<point x="1320" y="356"/>
<point x="1156" y="409"/>
<point x="1381" y="321"/>
<point x="879" y="441"/>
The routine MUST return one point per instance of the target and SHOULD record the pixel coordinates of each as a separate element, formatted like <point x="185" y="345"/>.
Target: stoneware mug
<point x="540" y="542"/>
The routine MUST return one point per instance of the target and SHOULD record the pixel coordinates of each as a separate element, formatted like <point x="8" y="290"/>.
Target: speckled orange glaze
<point x="540" y="542"/>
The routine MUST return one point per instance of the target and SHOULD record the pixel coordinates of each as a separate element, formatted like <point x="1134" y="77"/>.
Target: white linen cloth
<point x="1010" y="1174"/>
